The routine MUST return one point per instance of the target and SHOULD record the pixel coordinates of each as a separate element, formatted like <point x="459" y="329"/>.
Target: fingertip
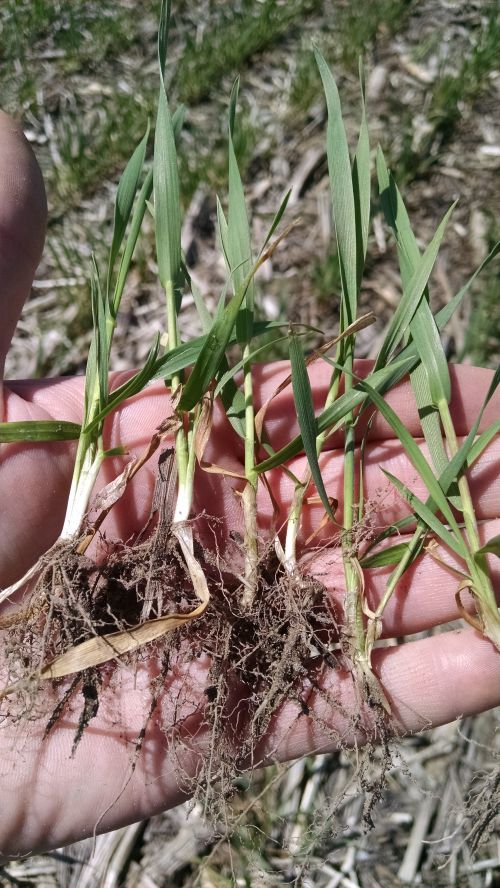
<point x="433" y="681"/>
<point x="23" y="220"/>
<point x="23" y="190"/>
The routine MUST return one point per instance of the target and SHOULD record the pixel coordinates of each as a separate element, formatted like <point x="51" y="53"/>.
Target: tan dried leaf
<point x="203" y="427"/>
<point x="108" y="496"/>
<point x="100" y="649"/>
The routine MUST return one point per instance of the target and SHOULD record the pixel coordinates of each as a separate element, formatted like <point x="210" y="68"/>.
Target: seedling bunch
<point x="267" y="627"/>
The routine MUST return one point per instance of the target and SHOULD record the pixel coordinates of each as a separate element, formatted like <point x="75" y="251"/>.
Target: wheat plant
<point x="258" y="624"/>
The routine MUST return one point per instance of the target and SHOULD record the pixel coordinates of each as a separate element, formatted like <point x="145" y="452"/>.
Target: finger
<point x="35" y="478"/>
<point x="54" y="797"/>
<point x="428" y="682"/>
<point x="50" y="800"/>
<point x="469" y="388"/>
<point x="23" y="216"/>
<point x="383" y="504"/>
<point x="424" y="597"/>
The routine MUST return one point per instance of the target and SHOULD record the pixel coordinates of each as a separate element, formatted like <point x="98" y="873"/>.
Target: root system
<point x="259" y="657"/>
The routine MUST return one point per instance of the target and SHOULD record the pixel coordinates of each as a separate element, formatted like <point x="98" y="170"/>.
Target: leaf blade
<point x="427" y="516"/>
<point x="125" y="196"/>
<point x="341" y="187"/>
<point x="34" y="430"/>
<point x="239" y="250"/>
<point x="304" y="406"/>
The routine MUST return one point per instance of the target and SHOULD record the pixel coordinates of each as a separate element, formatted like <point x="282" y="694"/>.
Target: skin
<point x="48" y="798"/>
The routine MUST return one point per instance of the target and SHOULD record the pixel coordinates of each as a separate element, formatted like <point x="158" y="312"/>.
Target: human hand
<point x="47" y="797"/>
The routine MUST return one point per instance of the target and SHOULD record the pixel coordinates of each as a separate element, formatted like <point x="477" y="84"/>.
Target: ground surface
<point x="82" y="77"/>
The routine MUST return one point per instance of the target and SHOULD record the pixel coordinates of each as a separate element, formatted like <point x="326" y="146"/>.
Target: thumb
<point x="23" y="218"/>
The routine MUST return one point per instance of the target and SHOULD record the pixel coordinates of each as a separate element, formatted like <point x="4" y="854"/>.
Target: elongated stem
<point x="354" y="631"/>
<point x="82" y="485"/>
<point x="88" y="461"/>
<point x="294" y="516"/>
<point x="477" y="564"/>
<point x="249" y="497"/>
<point x="293" y="524"/>
<point x="185" y="465"/>
<point x="463" y="484"/>
<point x="249" y="419"/>
<point x="374" y="627"/>
<point x="249" y="500"/>
<point x="353" y="599"/>
<point x="185" y="473"/>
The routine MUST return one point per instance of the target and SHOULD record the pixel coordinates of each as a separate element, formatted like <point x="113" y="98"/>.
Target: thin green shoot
<point x="39" y="430"/>
<point x="238" y="253"/>
<point x="90" y="452"/>
<point x="468" y="549"/>
<point x="350" y="194"/>
<point x="382" y="380"/>
<point x="304" y="406"/>
<point x="432" y="387"/>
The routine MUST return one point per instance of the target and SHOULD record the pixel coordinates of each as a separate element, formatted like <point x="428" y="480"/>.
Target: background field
<point x="81" y="75"/>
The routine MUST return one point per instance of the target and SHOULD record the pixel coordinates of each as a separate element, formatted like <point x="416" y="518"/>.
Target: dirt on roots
<point x="260" y="656"/>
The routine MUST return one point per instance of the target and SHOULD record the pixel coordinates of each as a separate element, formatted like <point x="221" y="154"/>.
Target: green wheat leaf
<point x="125" y="196"/>
<point x="492" y="547"/>
<point x="389" y="556"/>
<point x="456" y="544"/>
<point x="137" y="218"/>
<point x="467" y="454"/>
<point x="209" y="362"/>
<point x="362" y="185"/>
<point x="305" y="414"/>
<point x="100" y="315"/>
<point x="482" y="442"/>
<point x="201" y="308"/>
<point x="238" y="242"/>
<point x="334" y="415"/>
<point x="415" y="456"/>
<point x="132" y="387"/>
<point x="166" y="190"/>
<point x="163" y="32"/>
<point x="413" y="294"/>
<point x="131" y="241"/>
<point x="344" y="213"/>
<point x="257" y="353"/>
<point x="422" y="327"/>
<point x="223" y="232"/>
<point x="213" y="351"/>
<point x="277" y="219"/>
<point x="38" y="430"/>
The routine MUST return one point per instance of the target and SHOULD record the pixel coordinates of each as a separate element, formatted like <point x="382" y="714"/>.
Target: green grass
<point x="462" y="80"/>
<point x="237" y="35"/>
<point x="82" y="33"/>
<point x="411" y="345"/>
<point x="482" y="341"/>
<point x="353" y="30"/>
<point x="66" y="54"/>
<point x="361" y="25"/>
<point x="84" y="88"/>
<point x="456" y="89"/>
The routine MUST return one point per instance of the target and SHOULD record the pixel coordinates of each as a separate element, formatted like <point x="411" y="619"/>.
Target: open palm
<point x="49" y="798"/>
